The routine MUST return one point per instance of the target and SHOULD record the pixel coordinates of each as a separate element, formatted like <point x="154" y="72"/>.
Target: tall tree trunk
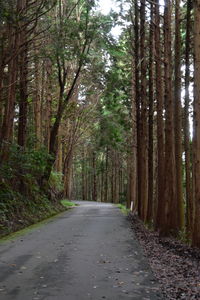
<point x="7" y="126"/>
<point x="170" y="216"/>
<point x="1" y="96"/>
<point x="59" y="155"/>
<point x="178" y="119"/>
<point x="68" y="175"/>
<point x="3" y="34"/>
<point x="133" y="157"/>
<point x="196" y="144"/>
<point x="160" y="210"/>
<point x="94" y="190"/>
<point x="144" y="115"/>
<point x="187" y="139"/>
<point x="102" y="185"/>
<point x="23" y="102"/>
<point x="112" y="180"/>
<point x="23" y="79"/>
<point x="137" y="97"/>
<point x="151" y="120"/>
<point x="37" y="103"/>
<point x="48" y="102"/>
<point x="106" y="177"/>
<point x="116" y="176"/>
<point x="83" y="175"/>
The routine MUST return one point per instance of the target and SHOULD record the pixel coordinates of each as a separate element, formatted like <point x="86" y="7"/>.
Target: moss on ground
<point x="30" y="228"/>
<point x="123" y="209"/>
<point x="19" y="213"/>
<point x="67" y="203"/>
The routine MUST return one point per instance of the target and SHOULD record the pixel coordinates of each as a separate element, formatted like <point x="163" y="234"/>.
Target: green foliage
<point x="22" y="199"/>
<point x="67" y="203"/>
<point x="183" y="237"/>
<point x="56" y="181"/>
<point x="28" y="165"/>
<point x="115" y="106"/>
<point x="109" y="141"/>
<point x="123" y="209"/>
<point x="18" y="210"/>
<point x="122" y="198"/>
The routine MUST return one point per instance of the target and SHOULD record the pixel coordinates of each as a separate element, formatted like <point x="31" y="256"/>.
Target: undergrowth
<point x="67" y="203"/>
<point x="23" y="201"/>
<point x="123" y="208"/>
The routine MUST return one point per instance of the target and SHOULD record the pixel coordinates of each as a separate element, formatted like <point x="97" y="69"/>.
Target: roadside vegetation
<point x="124" y="209"/>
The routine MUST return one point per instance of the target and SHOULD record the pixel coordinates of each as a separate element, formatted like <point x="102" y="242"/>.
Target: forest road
<point x="89" y="252"/>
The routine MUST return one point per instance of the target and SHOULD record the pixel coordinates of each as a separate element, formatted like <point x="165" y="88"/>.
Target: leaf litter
<point x="175" y="265"/>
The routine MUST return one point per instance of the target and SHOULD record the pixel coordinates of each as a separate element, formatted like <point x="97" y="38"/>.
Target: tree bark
<point x="7" y="126"/>
<point x="187" y="138"/>
<point x="160" y="210"/>
<point x="132" y="164"/>
<point x="138" y="98"/>
<point x="48" y="111"/>
<point x="143" y="155"/>
<point x="169" y="224"/>
<point x="196" y="129"/>
<point x="37" y="102"/>
<point x="151" y="120"/>
<point x="178" y="119"/>
<point x="83" y="175"/>
<point x="23" y="79"/>
<point x="68" y="176"/>
<point x="94" y="190"/>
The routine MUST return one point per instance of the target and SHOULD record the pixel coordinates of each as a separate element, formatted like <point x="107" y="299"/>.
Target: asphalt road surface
<point x="86" y="253"/>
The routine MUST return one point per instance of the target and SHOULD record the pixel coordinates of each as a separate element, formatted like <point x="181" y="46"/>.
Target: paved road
<point x="86" y="253"/>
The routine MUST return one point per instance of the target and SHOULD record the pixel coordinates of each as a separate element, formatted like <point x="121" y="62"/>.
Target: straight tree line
<point x="165" y="52"/>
